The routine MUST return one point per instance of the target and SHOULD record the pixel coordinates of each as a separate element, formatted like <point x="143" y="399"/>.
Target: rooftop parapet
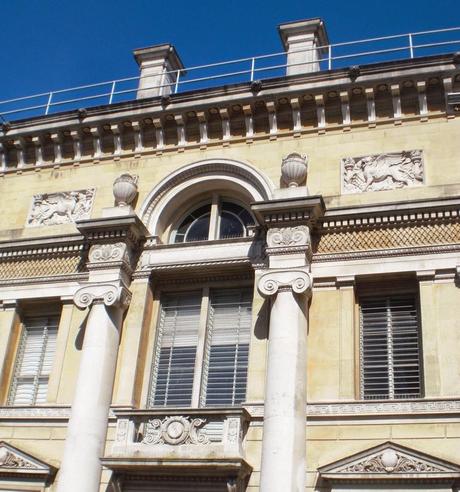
<point x="307" y="54"/>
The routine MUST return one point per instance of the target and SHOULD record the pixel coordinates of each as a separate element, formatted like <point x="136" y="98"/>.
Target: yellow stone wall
<point x="332" y="338"/>
<point x="435" y="137"/>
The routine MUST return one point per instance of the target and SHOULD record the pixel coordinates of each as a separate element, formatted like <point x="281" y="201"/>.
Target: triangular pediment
<point x="389" y="461"/>
<point x="17" y="462"/>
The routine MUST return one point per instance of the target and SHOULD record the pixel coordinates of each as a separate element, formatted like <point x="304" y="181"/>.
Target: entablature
<point x="286" y="106"/>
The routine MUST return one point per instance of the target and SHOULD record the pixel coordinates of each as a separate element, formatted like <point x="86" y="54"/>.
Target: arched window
<point x="219" y="219"/>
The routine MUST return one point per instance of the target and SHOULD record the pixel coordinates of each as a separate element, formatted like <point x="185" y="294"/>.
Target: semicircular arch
<point x="189" y="182"/>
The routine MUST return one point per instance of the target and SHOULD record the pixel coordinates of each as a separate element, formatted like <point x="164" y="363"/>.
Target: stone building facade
<point x="248" y="287"/>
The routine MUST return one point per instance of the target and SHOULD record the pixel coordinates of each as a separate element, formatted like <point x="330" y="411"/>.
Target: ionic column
<point x="81" y="466"/>
<point x="283" y="446"/>
<point x="287" y="286"/>
<point x="115" y="241"/>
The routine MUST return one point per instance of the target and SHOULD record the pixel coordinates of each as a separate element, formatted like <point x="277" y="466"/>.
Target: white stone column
<point x="287" y="286"/>
<point x="87" y="429"/>
<point x="283" y="447"/>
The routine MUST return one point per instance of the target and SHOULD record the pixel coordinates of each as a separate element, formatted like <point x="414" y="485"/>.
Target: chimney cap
<point x="166" y="52"/>
<point x="314" y="26"/>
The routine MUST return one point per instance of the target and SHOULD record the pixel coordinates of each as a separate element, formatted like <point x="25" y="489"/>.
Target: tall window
<point x="201" y="352"/>
<point x="219" y="219"/>
<point x="390" y="348"/>
<point x="34" y="360"/>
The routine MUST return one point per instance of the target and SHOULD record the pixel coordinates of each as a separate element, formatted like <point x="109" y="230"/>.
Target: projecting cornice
<point x="306" y="103"/>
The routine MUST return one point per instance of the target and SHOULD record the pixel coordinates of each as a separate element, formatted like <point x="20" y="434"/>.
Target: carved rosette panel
<point x="278" y="237"/>
<point x="101" y="253"/>
<point x="60" y="208"/>
<point x="108" y="294"/>
<point x="295" y="280"/>
<point x="391" y="461"/>
<point x="285" y="240"/>
<point x="174" y="431"/>
<point x="382" y="171"/>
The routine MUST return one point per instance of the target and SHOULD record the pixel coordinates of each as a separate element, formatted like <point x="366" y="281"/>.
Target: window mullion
<point x="200" y="349"/>
<point x="214" y="218"/>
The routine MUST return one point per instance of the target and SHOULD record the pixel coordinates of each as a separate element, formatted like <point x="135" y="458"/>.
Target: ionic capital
<point x="296" y="280"/>
<point x="107" y="293"/>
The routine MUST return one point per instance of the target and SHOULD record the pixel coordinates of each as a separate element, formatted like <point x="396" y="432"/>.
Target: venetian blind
<point x="34" y="360"/>
<point x="174" y="361"/>
<point x="227" y="347"/>
<point x="390" y="348"/>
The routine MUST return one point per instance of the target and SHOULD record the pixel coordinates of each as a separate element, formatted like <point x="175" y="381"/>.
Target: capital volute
<point x="296" y="280"/>
<point x="109" y="294"/>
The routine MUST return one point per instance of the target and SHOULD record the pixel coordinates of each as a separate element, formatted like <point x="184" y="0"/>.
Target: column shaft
<point x="81" y="466"/>
<point x="283" y="448"/>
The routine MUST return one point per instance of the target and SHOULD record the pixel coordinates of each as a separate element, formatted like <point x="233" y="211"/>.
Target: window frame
<point x="215" y="201"/>
<point x="387" y="291"/>
<point x="31" y="312"/>
<point x="200" y="355"/>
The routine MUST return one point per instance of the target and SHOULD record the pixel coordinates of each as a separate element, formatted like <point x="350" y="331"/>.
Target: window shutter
<point x="390" y="348"/>
<point x="227" y="347"/>
<point x="174" y="361"/>
<point x="34" y="360"/>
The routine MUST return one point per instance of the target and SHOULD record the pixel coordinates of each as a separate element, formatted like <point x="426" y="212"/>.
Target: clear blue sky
<point x="48" y="45"/>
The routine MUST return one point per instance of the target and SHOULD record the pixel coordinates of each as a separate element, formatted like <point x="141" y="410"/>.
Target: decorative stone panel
<point x="60" y="208"/>
<point x="400" y="236"/>
<point x="41" y="266"/>
<point x="382" y="171"/>
<point x="199" y="434"/>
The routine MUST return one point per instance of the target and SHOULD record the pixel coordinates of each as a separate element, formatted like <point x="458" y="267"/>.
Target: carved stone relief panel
<point x="175" y="430"/>
<point x="382" y="171"/>
<point x="60" y="208"/>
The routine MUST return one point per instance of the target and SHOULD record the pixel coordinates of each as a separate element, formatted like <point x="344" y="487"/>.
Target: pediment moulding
<point x="14" y="462"/>
<point x="62" y="139"/>
<point x="389" y="462"/>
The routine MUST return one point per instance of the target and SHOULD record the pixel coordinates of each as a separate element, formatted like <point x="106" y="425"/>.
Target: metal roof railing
<point x="338" y="55"/>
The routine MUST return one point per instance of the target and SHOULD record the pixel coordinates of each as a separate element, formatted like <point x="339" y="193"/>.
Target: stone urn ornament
<point x="294" y="169"/>
<point x="125" y="189"/>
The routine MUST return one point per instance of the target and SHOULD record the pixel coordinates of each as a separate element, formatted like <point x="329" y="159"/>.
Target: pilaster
<point x="8" y="338"/>
<point x="133" y="346"/>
